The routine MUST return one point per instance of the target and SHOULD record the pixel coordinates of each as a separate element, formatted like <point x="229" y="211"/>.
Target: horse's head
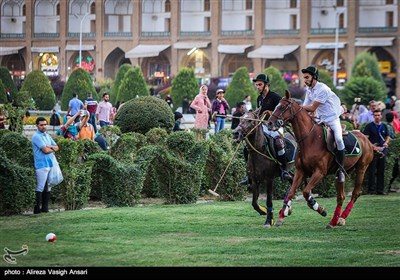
<point x="247" y="125"/>
<point x="283" y="113"/>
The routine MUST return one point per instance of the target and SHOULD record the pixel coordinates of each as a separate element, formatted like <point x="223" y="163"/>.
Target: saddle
<point x="290" y="147"/>
<point x="351" y="143"/>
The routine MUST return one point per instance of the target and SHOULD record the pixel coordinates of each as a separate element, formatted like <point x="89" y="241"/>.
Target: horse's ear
<point x="287" y="94"/>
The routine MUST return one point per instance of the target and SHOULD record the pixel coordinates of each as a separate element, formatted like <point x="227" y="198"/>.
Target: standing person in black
<point x="240" y="110"/>
<point x="267" y="101"/>
<point x="378" y="134"/>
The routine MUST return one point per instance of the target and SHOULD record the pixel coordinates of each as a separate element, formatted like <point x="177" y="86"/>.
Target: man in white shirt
<point x="327" y="106"/>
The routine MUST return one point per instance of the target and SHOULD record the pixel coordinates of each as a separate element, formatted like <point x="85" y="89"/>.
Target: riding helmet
<point x="312" y="70"/>
<point x="261" y="77"/>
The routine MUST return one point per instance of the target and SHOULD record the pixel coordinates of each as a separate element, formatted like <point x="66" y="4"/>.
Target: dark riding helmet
<point x="312" y="70"/>
<point x="261" y="77"/>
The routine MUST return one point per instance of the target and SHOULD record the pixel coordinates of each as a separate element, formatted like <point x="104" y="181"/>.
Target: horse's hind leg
<point x="354" y="196"/>
<point x="340" y="197"/>
<point x="269" y="222"/>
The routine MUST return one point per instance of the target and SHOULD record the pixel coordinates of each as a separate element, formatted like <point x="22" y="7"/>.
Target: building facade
<point x="215" y="37"/>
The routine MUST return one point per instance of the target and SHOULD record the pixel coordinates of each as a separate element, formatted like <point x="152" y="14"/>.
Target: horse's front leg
<point x="287" y="202"/>
<point x="339" y="203"/>
<point x="270" y="216"/>
<point x="311" y="202"/>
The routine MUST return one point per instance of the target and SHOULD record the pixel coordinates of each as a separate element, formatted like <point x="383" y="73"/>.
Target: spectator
<point x="185" y="106"/>
<point x="2" y="118"/>
<point x="396" y="122"/>
<point x="74" y="105"/>
<point x="389" y="123"/>
<point x="168" y="99"/>
<point x="178" y="119"/>
<point x="356" y="110"/>
<point x="378" y="134"/>
<point x="55" y="118"/>
<point x="85" y="128"/>
<point x="247" y="101"/>
<point x="219" y="110"/>
<point x="239" y="112"/>
<point x="91" y="106"/>
<point x="68" y="130"/>
<point x="202" y="105"/>
<point x="368" y="116"/>
<point x="104" y="111"/>
<point x="44" y="148"/>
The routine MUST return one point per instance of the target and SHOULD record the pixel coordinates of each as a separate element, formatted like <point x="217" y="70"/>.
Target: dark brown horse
<point x="262" y="167"/>
<point x="314" y="161"/>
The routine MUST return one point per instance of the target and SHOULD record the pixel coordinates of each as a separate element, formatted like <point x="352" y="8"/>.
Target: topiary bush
<point x="156" y="136"/>
<point x="240" y="87"/>
<point x="17" y="186"/>
<point x="18" y="149"/>
<point x="39" y="88"/>
<point x="80" y="83"/>
<point x="3" y="95"/>
<point x="126" y="147"/>
<point x="144" y="113"/>
<point x="184" y="85"/>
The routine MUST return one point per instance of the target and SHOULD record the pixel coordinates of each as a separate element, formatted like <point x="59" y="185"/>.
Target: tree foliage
<point x="3" y="96"/>
<point x="39" y="88"/>
<point x="326" y="78"/>
<point x="120" y="76"/>
<point x="277" y="83"/>
<point x="80" y="83"/>
<point x="184" y="85"/>
<point x="367" y="88"/>
<point x="239" y="87"/>
<point x="8" y="83"/>
<point x="132" y="85"/>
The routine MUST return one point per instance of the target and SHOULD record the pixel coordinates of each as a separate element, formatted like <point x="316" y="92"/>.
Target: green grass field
<point x="213" y="234"/>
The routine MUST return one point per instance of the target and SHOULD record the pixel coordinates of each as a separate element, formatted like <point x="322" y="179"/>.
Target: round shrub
<point x="156" y="136"/>
<point x="144" y="113"/>
<point x="39" y="88"/>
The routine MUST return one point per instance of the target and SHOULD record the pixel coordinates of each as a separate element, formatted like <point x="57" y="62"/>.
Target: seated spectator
<point x="55" y="118"/>
<point x="178" y="119"/>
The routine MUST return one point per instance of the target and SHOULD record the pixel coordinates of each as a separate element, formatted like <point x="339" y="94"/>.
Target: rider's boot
<point x="285" y="175"/>
<point x="340" y="160"/>
<point x="246" y="181"/>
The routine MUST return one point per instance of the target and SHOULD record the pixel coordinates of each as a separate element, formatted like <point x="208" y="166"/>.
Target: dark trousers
<point x="376" y="174"/>
<point x="92" y="120"/>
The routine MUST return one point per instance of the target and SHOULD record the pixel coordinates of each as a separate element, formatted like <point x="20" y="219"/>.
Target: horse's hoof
<point x="341" y="222"/>
<point x="290" y="211"/>
<point x="267" y="226"/>
<point x="279" y="222"/>
<point x="323" y="212"/>
<point x="329" y="226"/>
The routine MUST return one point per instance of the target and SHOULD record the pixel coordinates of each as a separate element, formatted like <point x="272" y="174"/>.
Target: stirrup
<point x="244" y="182"/>
<point x="285" y="175"/>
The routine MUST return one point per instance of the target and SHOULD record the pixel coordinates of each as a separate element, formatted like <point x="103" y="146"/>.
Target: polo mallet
<point x="223" y="174"/>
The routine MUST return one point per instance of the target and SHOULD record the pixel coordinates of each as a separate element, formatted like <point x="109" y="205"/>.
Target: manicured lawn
<point x="213" y="234"/>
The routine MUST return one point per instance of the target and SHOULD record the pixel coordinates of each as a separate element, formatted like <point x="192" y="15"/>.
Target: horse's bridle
<point x="283" y="122"/>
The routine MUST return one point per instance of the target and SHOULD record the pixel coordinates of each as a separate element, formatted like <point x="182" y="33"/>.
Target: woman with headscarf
<point x="202" y="105"/>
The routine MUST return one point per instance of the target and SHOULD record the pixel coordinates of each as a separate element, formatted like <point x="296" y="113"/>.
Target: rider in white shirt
<point x="327" y="106"/>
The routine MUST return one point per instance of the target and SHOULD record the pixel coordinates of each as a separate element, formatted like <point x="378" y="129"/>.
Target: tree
<point x="184" y="85"/>
<point x="39" y="88"/>
<point x="132" y="85"/>
<point x="239" y="87"/>
<point x="367" y="88"/>
<point x="326" y="78"/>
<point x="366" y="65"/>
<point x="277" y="83"/>
<point x="120" y="76"/>
<point x="8" y="83"/>
<point x="80" y="83"/>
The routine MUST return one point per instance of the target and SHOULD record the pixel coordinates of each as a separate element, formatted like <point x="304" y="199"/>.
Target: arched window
<point x="24" y="10"/>
<point x="93" y="8"/>
<point x="167" y="6"/>
<point x="58" y="9"/>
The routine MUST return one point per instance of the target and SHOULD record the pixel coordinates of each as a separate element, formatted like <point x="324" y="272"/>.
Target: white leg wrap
<point x="287" y="208"/>
<point x="315" y="206"/>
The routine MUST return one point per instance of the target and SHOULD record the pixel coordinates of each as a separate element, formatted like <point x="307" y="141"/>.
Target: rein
<point x="269" y="156"/>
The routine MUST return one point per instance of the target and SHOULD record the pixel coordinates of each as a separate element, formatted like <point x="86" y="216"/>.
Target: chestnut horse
<point x="262" y="167"/>
<point x="315" y="161"/>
